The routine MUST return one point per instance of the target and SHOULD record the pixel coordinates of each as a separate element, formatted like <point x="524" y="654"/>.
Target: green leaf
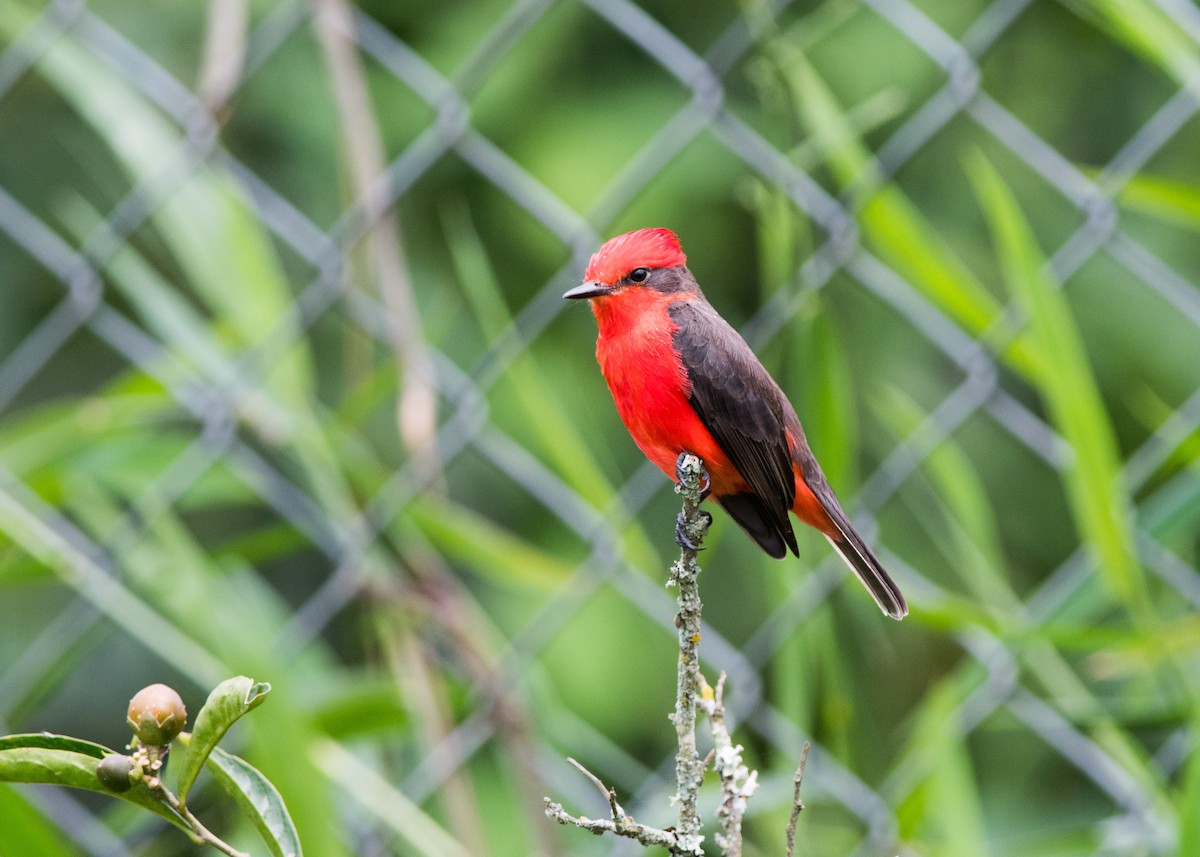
<point x="229" y="700"/>
<point x="1095" y="489"/>
<point x="49" y="741"/>
<point x="42" y="759"/>
<point x="259" y="799"/>
<point x="44" y="765"/>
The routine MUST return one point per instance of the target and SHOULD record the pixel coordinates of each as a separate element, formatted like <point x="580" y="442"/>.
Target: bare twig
<point x="738" y="782"/>
<point x="151" y="761"/>
<point x="797" y="804"/>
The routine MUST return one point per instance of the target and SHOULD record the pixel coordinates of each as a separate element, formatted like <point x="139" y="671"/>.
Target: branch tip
<point x="797" y="804"/>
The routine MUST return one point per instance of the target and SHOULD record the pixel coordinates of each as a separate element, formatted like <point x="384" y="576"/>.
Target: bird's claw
<point x="681" y="534"/>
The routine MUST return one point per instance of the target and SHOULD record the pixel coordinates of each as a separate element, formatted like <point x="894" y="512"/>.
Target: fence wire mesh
<point x="287" y="387"/>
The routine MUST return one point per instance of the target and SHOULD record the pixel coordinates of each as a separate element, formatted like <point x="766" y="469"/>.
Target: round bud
<point x="117" y="773"/>
<point x="156" y="715"/>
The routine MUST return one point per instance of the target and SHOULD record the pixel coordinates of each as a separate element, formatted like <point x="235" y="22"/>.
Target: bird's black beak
<point x="587" y="290"/>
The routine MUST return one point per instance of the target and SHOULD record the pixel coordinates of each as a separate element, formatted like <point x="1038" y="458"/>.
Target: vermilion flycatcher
<point x="684" y="381"/>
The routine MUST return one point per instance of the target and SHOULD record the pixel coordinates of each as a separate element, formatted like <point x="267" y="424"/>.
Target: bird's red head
<point x="656" y="247"/>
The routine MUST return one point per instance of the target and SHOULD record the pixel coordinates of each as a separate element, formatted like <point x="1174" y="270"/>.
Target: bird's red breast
<point x="650" y="386"/>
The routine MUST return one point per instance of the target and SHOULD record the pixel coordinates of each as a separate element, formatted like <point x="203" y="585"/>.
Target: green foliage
<point x="229" y="701"/>
<point x="1095" y="485"/>
<point x="27" y="831"/>
<point x="258" y="799"/>
<point x="65" y="761"/>
<point x="891" y="223"/>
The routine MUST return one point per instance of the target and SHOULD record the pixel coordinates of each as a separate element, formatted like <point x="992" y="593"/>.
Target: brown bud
<point x="156" y="715"/>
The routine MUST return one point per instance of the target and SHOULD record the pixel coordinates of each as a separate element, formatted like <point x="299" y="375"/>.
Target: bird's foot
<point x="681" y="475"/>
<point x="681" y="530"/>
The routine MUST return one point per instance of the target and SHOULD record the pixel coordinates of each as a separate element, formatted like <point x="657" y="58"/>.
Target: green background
<point x="201" y="473"/>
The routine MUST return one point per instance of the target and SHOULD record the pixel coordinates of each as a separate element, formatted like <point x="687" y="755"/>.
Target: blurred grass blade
<point x="819" y="366"/>
<point x="28" y="831"/>
<point x="523" y="387"/>
<point x="258" y="799"/>
<point x="893" y="226"/>
<point x="951" y="812"/>
<point x="783" y="235"/>
<point x="387" y="803"/>
<point x="543" y="418"/>
<point x="175" y="321"/>
<point x="353" y="704"/>
<point x="478" y="542"/>
<point x="1167" y="199"/>
<point x="79" y="571"/>
<point x="1095" y="488"/>
<point x="811" y="349"/>
<point x="1189" y="798"/>
<point x="1075" y="699"/>
<point x="967" y="530"/>
<point x="227" y="703"/>
<point x="1149" y="31"/>
<point x="811" y="680"/>
<point x="223" y="249"/>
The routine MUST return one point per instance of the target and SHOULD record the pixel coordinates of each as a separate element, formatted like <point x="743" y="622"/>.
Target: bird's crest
<point x="656" y="247"/>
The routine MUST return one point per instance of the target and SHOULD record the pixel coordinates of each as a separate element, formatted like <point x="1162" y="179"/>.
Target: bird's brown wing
<point x="747" y="414"/>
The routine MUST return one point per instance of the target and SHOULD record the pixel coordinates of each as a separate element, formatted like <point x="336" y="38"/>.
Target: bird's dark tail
<point x="866" y="567"/>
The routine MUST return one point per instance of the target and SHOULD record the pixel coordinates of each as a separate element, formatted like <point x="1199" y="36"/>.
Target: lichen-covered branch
<point x="738" y="782"/>
<point x="619" y="822"/>
<point x="690" y="530"/>
<point x="686" y="838"/>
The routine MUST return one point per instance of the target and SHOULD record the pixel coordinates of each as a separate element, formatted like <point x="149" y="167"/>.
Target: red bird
<point x="684" y="381"/>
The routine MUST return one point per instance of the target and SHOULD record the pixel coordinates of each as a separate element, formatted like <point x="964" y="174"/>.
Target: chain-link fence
<point x="287" y="387"/>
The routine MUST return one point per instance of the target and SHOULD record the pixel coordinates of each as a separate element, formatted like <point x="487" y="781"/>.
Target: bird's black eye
<point x="638" y="275"/>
